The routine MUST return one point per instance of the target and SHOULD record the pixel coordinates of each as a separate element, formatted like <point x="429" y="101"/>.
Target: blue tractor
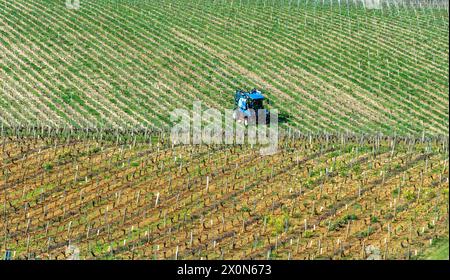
<point x="250" y="107"/>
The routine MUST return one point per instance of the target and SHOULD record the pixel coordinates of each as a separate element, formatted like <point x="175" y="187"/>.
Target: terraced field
<point x="342" y="197"/>
<point x="327" y="66"/>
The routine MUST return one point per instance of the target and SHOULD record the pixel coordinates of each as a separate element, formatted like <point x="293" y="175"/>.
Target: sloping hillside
<point x="325" y="67"/>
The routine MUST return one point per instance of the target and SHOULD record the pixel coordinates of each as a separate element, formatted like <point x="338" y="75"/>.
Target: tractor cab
<point x="248" y="105"/>
<point x="254" y="99"/>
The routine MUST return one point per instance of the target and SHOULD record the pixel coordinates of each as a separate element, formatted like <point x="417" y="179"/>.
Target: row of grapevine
<point x="134" y="195"/>
<point x="326" y="66"/>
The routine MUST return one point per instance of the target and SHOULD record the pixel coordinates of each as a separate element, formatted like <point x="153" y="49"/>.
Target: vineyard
<point x="331" y="66"/>
<point x="139" y="197"/>
<point x="89" y="171"/>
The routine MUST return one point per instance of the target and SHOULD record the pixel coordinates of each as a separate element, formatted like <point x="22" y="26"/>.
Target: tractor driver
<point x="243" y="106"/>
<point x="243" y="103"/>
